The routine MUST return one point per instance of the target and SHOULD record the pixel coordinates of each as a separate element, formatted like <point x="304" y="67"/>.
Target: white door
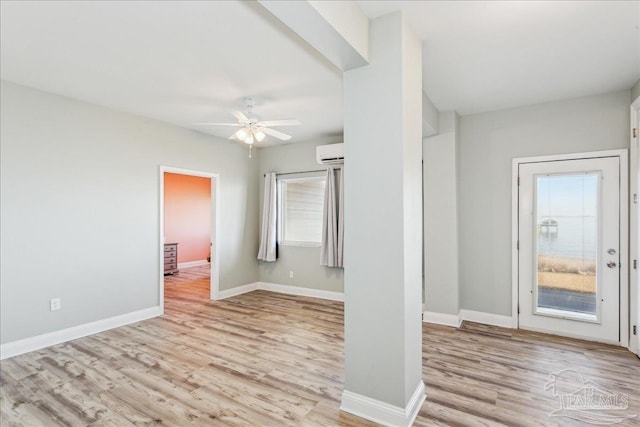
<point x="569" y="248"/>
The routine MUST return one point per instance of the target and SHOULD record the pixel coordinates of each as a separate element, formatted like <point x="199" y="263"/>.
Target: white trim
<point x="215" y="251"/>
<point x="445" y="319"/>
<point x="303" y="292"/>
<point x="300" y="244"/>
<point x="570" y="156"/>
<point x="228" y="293"/>
<point x="624" y="248"/>
<point x="486" y="318"/>
<point x="515" y="230"/>
<point x="381" y="412"/>
<point x="193" y="263"/>
<point x="52" y="338"/>
<point x="469" y="315"/>
<point x="634" y="224"/>
<point x="281" y="289"/>
<point x="622" y="154"/>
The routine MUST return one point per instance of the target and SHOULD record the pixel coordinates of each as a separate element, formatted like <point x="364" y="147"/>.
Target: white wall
<point x="80" y="205"/>
<point x="440" y="158"/>
<point x="430" y="117"/>
<point x="488" y="143"/>
<point x="303" y="261"/>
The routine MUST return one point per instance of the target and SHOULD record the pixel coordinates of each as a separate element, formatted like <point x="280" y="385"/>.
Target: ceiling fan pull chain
<point x="250" y="147"/>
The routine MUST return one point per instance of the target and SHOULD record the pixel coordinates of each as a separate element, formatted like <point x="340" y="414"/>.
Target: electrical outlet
<point x="55" y="304"/>
<point x="291" y="275"/>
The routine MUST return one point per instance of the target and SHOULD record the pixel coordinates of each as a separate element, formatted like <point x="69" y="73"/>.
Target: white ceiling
<point x="179" y="62"/>
<point x="489" y="55"/>
<point x="186" y="62"/>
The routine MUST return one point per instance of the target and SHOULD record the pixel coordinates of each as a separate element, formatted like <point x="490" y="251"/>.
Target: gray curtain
<point x="268" y="249"/>
<point x="332" y="220"/>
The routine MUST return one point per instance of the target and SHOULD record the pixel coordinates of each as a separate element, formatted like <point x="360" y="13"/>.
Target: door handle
<point x="612" y="264"/>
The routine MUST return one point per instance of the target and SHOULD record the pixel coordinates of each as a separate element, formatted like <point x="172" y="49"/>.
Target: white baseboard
<point x="441" y="318"/>
<point x="487" y="318"/>
<point x="52" y="338"/>
<point x="228" y="293"/>
<point x="193" y="263"/>
<point x="381" y="412"/>
<point x="281" y="289"/>
<point x="303" y="292"/>
<point x="470" y="315"/>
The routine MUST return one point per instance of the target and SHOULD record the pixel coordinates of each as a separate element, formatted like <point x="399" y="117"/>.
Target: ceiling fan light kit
<point x="252" y="129"/>
<point x="241" y="134"/>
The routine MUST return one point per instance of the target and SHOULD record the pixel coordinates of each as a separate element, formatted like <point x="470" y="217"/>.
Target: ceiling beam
<point x="339" y="30"/>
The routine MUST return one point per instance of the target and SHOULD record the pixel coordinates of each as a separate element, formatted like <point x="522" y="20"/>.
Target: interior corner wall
<point x="79" y="215"/>
<point x="303" y="261"/>
<point x="441" y="288"/>
<point x="187" y="215"/>
<point x="635" y="91"/>
<point x="488" y="143"/>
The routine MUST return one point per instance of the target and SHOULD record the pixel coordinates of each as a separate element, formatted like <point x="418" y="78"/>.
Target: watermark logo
<point x="587" y="401"/>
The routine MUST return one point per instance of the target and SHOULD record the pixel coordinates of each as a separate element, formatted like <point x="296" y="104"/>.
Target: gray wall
<point x="80" y="205"/>
<point x="440" y="157"/>
<point x="635" y="91"/>
<point x="303" y="261"/>
<point x="488" y="143"/>
<point x="383" y="216"/>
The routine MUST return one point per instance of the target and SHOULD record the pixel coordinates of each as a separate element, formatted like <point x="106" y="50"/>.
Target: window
<point x="301" y="206"/>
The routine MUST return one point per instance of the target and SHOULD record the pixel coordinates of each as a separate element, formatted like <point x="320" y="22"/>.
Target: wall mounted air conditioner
<point x="330" y="154"/>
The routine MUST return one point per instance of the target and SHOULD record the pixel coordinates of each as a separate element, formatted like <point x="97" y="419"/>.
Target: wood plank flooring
<point x="266" y="359"/>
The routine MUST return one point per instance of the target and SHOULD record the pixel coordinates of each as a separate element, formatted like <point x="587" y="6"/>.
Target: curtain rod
<point x="294" y="173"/>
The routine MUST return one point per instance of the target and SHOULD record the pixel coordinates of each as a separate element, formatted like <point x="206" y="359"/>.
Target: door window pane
<point x="567" y="230"/>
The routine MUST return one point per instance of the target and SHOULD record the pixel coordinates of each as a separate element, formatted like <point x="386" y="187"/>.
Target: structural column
<point x="383" y="227"/>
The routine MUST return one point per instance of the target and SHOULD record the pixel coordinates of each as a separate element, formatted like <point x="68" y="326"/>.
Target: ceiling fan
<point x="252" y="129"/>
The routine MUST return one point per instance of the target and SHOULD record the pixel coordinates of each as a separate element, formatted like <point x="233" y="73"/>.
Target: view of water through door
<point x="567" y="229"/>
<point x="569" y="233"/>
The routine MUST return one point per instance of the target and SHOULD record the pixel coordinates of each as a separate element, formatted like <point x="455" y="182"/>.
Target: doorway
<point x="571" y="246"/>
<point x="193" y="250"/>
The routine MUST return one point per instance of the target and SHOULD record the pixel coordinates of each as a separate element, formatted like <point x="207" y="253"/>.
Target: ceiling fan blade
<point x="284" y="122"/>
<point x="275" y="133"/>
<point x="241" y="117"/>
<point x="233" y="136"/>
<point x="217" y="124"/>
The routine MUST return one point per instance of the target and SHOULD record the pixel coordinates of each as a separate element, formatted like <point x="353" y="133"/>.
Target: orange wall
<point x="187" y="215"/>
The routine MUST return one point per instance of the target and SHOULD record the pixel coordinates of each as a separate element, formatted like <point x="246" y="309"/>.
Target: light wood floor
<point x="265" y="359"/>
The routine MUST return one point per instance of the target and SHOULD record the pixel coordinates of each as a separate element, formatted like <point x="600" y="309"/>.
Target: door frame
<point x="624" y="230"/>
<point x="634" y="144"/>
<point x="214" y="280"/>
